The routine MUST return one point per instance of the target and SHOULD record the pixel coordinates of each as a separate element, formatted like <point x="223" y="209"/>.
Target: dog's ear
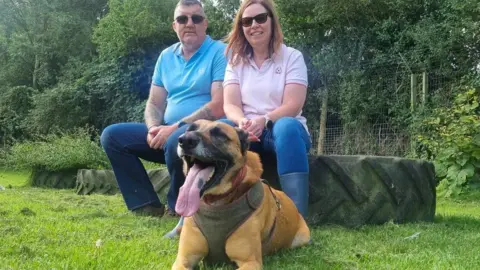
<point x="243" y="137"/>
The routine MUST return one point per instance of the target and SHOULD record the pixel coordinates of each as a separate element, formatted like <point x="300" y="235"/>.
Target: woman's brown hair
<point x="238" y="47"/>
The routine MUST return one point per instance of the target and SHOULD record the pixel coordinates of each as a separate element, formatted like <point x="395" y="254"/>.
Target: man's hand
<point x="157" y="136"/>
<point x="256" y="126"/>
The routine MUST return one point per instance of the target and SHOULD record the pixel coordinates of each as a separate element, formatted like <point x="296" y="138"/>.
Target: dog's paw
<point x="176" y="231"/>
<point x="171" y="234"/>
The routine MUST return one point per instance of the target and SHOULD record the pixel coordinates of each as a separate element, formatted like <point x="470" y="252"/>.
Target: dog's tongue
<point x="189" y="198"/>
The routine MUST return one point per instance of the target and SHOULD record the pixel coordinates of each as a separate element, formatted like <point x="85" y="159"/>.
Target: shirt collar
<point x="203" y="47"/>
<point x="276" y="57"/>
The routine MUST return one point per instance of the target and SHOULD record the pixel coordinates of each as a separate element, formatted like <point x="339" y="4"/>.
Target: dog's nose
<point x="188" y="140"/>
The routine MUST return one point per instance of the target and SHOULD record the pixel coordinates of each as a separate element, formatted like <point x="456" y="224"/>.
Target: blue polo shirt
<point x="188" y="83"/>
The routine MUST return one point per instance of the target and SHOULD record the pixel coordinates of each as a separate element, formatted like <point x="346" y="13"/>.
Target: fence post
<point x="424" y="88"/>
<point x="323" y="123"/>
<point x="413" y="91"/>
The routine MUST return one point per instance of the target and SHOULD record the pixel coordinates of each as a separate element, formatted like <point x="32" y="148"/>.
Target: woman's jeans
<point x="289" y="141"/>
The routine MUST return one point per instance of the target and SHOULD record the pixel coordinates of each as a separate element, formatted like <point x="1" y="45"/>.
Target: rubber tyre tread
<point x="356" y="190"/>
<point x="104" y="182"/>
<point x="64" y="179"/>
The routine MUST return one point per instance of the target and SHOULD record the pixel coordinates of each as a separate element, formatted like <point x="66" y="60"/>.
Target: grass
<point x="13" y="179"/>
<point x="47" y="229"/>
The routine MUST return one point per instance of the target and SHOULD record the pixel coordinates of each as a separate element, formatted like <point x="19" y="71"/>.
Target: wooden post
<point x="424" y="88"/>
<point x="323" y="124"/>
<point x="413" y="92"/>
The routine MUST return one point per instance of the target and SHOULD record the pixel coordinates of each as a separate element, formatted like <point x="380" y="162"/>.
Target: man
<point x="186" y="86"/>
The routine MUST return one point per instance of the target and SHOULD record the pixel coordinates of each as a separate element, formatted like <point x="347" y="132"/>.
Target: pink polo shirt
<point x="262" y="88"/>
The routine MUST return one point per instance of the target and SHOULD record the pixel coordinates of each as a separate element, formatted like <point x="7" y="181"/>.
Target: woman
<point x="265" y="88"/>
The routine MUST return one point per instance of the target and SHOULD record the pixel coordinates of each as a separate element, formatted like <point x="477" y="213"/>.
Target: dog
<point x="230" y="215"/>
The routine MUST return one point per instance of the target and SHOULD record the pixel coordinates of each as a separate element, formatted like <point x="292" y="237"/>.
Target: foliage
<point x="44" y="35"/>
<point x="112" y="87"/>
<point x="102" y="95"/>
<point x="14" y="105"/>
<point x="220" y="16"/>
<point x="140" y="26"/>
<point x="55" y="152"/>
<point x="450" y="136"/>
<point x="383" y="42"/>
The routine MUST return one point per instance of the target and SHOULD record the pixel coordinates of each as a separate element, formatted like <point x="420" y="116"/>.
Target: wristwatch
<point x="181" y="123"/>
<point x="268" y="122"/>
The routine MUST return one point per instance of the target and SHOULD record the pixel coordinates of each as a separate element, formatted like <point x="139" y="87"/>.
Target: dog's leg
<point x="192" y="248"/>
<point x="302" y="237"/>
<point x="244" y="247"/>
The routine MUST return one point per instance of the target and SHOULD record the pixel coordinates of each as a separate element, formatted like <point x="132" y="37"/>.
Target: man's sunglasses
<point x="260" y="19"/>
<point x="183" y="19"/>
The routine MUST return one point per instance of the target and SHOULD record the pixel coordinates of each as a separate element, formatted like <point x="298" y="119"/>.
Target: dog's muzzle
<point x="188" y="140"/>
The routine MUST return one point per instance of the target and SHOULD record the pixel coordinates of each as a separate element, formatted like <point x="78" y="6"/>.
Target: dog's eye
<point x="192" y="127"/>
<point x="217" y="132"/>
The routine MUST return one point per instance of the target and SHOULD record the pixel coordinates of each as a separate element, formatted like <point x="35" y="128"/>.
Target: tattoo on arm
<point x="203" y="113"/>
<point x="210" y="110"/>
<point x="153" y="115"/>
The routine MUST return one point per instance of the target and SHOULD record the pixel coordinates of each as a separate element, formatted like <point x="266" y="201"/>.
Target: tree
<point x="43" y="35"/>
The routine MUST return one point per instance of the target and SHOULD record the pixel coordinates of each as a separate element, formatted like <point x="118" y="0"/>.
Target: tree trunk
<point x="35" y="71"/>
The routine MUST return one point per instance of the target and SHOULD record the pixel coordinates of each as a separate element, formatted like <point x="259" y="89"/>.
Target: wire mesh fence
<point x="375" y="129"/>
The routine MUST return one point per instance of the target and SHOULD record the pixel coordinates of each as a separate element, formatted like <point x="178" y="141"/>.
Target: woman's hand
<point x="257" y="125"/>
<point x="244" y="123"/>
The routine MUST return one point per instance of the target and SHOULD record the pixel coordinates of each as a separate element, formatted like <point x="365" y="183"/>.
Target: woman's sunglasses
<point x="260" y="19"/>
<point x="183" y="19"/>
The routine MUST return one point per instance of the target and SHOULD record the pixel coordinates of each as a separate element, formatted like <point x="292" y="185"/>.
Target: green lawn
<point x="57" y="229"/>
<point x="13" y="179"/>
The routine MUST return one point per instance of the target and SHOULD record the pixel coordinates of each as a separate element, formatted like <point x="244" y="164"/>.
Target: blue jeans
<point x="290" y="143"/>
<point x="124" y="144"/>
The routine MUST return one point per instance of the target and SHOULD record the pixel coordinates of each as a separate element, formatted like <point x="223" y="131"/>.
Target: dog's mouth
<point x="202" y="175"/>
<point x="219" y="170"/>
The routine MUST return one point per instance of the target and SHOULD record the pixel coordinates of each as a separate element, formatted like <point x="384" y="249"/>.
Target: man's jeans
<point x="290" y="143"/>
<point x="124" y="144"/>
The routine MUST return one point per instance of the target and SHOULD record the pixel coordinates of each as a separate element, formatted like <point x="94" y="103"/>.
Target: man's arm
<point x="155" y="107"/>
<point x="213" y="109"/>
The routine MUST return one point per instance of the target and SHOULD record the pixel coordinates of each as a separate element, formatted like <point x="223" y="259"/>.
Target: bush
<point x="107" y="92"/>
<point x="451" y="138"/>
<point x="63" y="107"/>
<point x="15" y="103"/>
<point x="64" y="151"/>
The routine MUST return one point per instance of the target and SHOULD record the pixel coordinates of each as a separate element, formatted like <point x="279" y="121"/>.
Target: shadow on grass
<point x="456" y="221"/>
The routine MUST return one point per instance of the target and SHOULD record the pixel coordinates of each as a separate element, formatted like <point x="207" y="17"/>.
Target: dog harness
<point x="217" y="223"/>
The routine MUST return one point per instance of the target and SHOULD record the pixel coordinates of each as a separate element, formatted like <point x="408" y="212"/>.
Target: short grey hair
<point x="189" y="3"/>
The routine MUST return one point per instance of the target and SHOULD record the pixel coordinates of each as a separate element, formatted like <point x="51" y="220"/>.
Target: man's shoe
<point x="149" y="210"/>
<point x="170" y="213"/>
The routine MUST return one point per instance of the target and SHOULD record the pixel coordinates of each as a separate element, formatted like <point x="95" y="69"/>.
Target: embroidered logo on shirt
<point x="278" y="70"/>
<point x="201" y="71"/>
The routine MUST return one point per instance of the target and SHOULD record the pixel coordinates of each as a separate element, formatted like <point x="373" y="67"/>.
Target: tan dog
<point x="222" y="186"/>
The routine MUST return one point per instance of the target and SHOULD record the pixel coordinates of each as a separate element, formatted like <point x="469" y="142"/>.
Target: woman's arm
<point x="293" y="101"/>
<point x="232" y="103"/>
<point x="295" y="91"/>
